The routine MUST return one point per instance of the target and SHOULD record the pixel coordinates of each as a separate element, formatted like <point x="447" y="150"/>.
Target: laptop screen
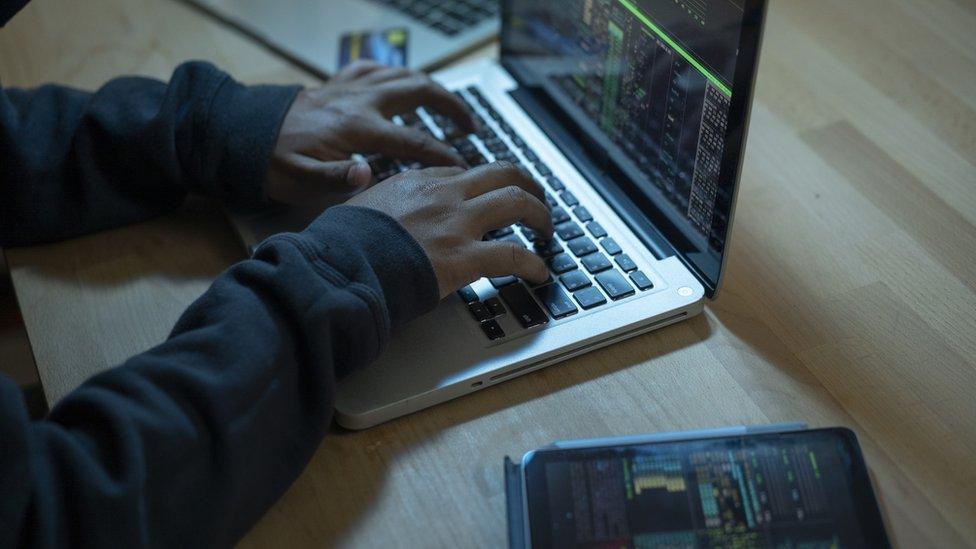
<point x="649" y="86"/>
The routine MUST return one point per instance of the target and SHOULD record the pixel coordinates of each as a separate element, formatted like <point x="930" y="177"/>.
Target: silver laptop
<point x="309" y="31"/>
<point x="632" y="114"/>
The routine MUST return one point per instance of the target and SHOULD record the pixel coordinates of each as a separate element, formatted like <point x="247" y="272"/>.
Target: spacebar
<point x="523" y="306"/>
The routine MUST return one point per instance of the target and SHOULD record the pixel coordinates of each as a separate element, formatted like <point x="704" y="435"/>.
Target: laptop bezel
<point x="642" y="215"/>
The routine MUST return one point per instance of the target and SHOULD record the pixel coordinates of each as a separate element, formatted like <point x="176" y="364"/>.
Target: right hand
<point x="449" y="210"/>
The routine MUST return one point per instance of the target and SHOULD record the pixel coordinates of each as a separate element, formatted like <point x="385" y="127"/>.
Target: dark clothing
<point x="75" y="162"/>
<point x="187" y="444"/>
<point x="9" y="8"/>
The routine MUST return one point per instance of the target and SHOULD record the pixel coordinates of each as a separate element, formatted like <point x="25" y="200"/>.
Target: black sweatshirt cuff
<point x="243" y="123"/>
<point x="348" y="238"/>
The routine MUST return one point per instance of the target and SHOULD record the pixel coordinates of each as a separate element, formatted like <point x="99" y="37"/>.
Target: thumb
<point x="347" y="173"/>
<point x="301" y="179"/>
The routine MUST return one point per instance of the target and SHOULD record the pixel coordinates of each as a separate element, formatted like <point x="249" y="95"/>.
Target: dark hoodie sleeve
<point x="188" y="444"/>
<point x="74" y="162"/>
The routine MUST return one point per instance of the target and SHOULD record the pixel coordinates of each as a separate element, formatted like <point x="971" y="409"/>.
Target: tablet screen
<point x="803" y="489"/>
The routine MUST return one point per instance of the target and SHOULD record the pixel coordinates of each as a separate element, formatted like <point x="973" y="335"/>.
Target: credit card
<point x="388" y="47"/>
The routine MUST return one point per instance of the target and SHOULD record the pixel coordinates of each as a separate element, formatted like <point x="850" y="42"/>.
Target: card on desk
<point x="388" y="47"/>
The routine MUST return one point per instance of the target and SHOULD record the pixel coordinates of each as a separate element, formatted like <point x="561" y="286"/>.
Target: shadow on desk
<point x="16" y="359"/>
<point x="176" y="246"/>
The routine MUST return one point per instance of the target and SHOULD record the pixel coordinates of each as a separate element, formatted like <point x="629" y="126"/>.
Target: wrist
<point x="370" y="247"/>
<point x="243" y="122"/>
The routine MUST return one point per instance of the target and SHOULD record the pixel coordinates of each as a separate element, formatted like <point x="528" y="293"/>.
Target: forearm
<point x="75" y="162"/>
<point x="188" y="444"/>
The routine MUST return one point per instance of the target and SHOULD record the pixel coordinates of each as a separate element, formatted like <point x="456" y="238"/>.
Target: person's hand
<point x="351" y="114"/>
<point x="449" y="210"/>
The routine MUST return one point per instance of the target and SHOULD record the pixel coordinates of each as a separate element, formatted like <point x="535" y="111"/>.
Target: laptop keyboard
<point x="588" y="269"/>
<point x="450" y="17"/>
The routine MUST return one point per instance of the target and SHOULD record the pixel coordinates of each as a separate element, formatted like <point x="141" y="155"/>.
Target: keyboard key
<point x="558" y="303"/>
<point x="495" y="145"/>
<point x="411" y="119"/>
<point x="468" y="295"/>
<point x="476" y="94"/>
<point x="492" y="330"/>
<point x="529" y="234"/>
<point x="569" y="198"/>
<point x="495" y="307"/>
<point x="575" y="280"/>
<point x="543" y="170"/>
<point x="448" y="127"/>
<point x="522" y="305"/>
<point x="511" y="238"/>
<point x="501" y="281"/>
<point x="479" y="311"/>
<point x="559" y="215"/>
<point x="548" y="249"/>
<point x="626" y="263"/>
<point x="562" y="263"/>
<point x="506" y="156"/>
<point x="615" y="285"/>
<point x="478" y="160"/>
<point x="641" y="280"/>
<point x="583" y="214"/>
<point x="596" y="230"/>
<point x="448" y="28"/>
<point x="589" y="298"/>
<point x="551" y="202"/>
<point x="610" y="246"/>
<point x="500" y="233"/>
<point x="463" y="145"/>
<point x="568" y="231"/>
<point x="581" y="246"/>
<point x="555" y="184"/>
<point x="484" y="130"/>
<point x="506" y="129"/>
<point x="596" y="263"/>
<point x="548" y="280"/>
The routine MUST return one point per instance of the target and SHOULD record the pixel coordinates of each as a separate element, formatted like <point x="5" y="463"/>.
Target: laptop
<point x="632" y="114"/>
<point x="309" y="32"/>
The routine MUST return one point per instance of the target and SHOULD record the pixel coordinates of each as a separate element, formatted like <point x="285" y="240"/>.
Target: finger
<point x="342" y="174"/>
<point x="387" y="74"/>
<point x="503" y="258"/>
<point x="442" y="171"/>
<point x="496" y="175"/>
<point x="508" y="206"/>
<point x="407" y="94"/>
<point x="358" y="69"/>
<point x="432" y="177"/>
<point x="405" y="143"/>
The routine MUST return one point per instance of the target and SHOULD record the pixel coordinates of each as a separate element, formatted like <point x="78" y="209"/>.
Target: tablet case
<point x="513" y="504"/>
<point x="513" y="471"/>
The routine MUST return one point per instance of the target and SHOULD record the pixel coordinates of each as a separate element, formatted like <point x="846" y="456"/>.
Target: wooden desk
<point x="850" y="298"/>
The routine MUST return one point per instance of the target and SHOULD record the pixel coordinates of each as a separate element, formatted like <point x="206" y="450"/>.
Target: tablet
<point x="796" y="489"/>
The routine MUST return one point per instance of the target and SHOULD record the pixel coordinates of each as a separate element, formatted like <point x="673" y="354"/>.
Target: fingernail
<point x="359" y="175"/>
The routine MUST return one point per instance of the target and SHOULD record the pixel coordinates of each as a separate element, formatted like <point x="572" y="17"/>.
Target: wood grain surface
<point x="850" y="297"/>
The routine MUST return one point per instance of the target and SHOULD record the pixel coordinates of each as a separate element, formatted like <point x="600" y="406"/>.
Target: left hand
<point x="351" y="114"/>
